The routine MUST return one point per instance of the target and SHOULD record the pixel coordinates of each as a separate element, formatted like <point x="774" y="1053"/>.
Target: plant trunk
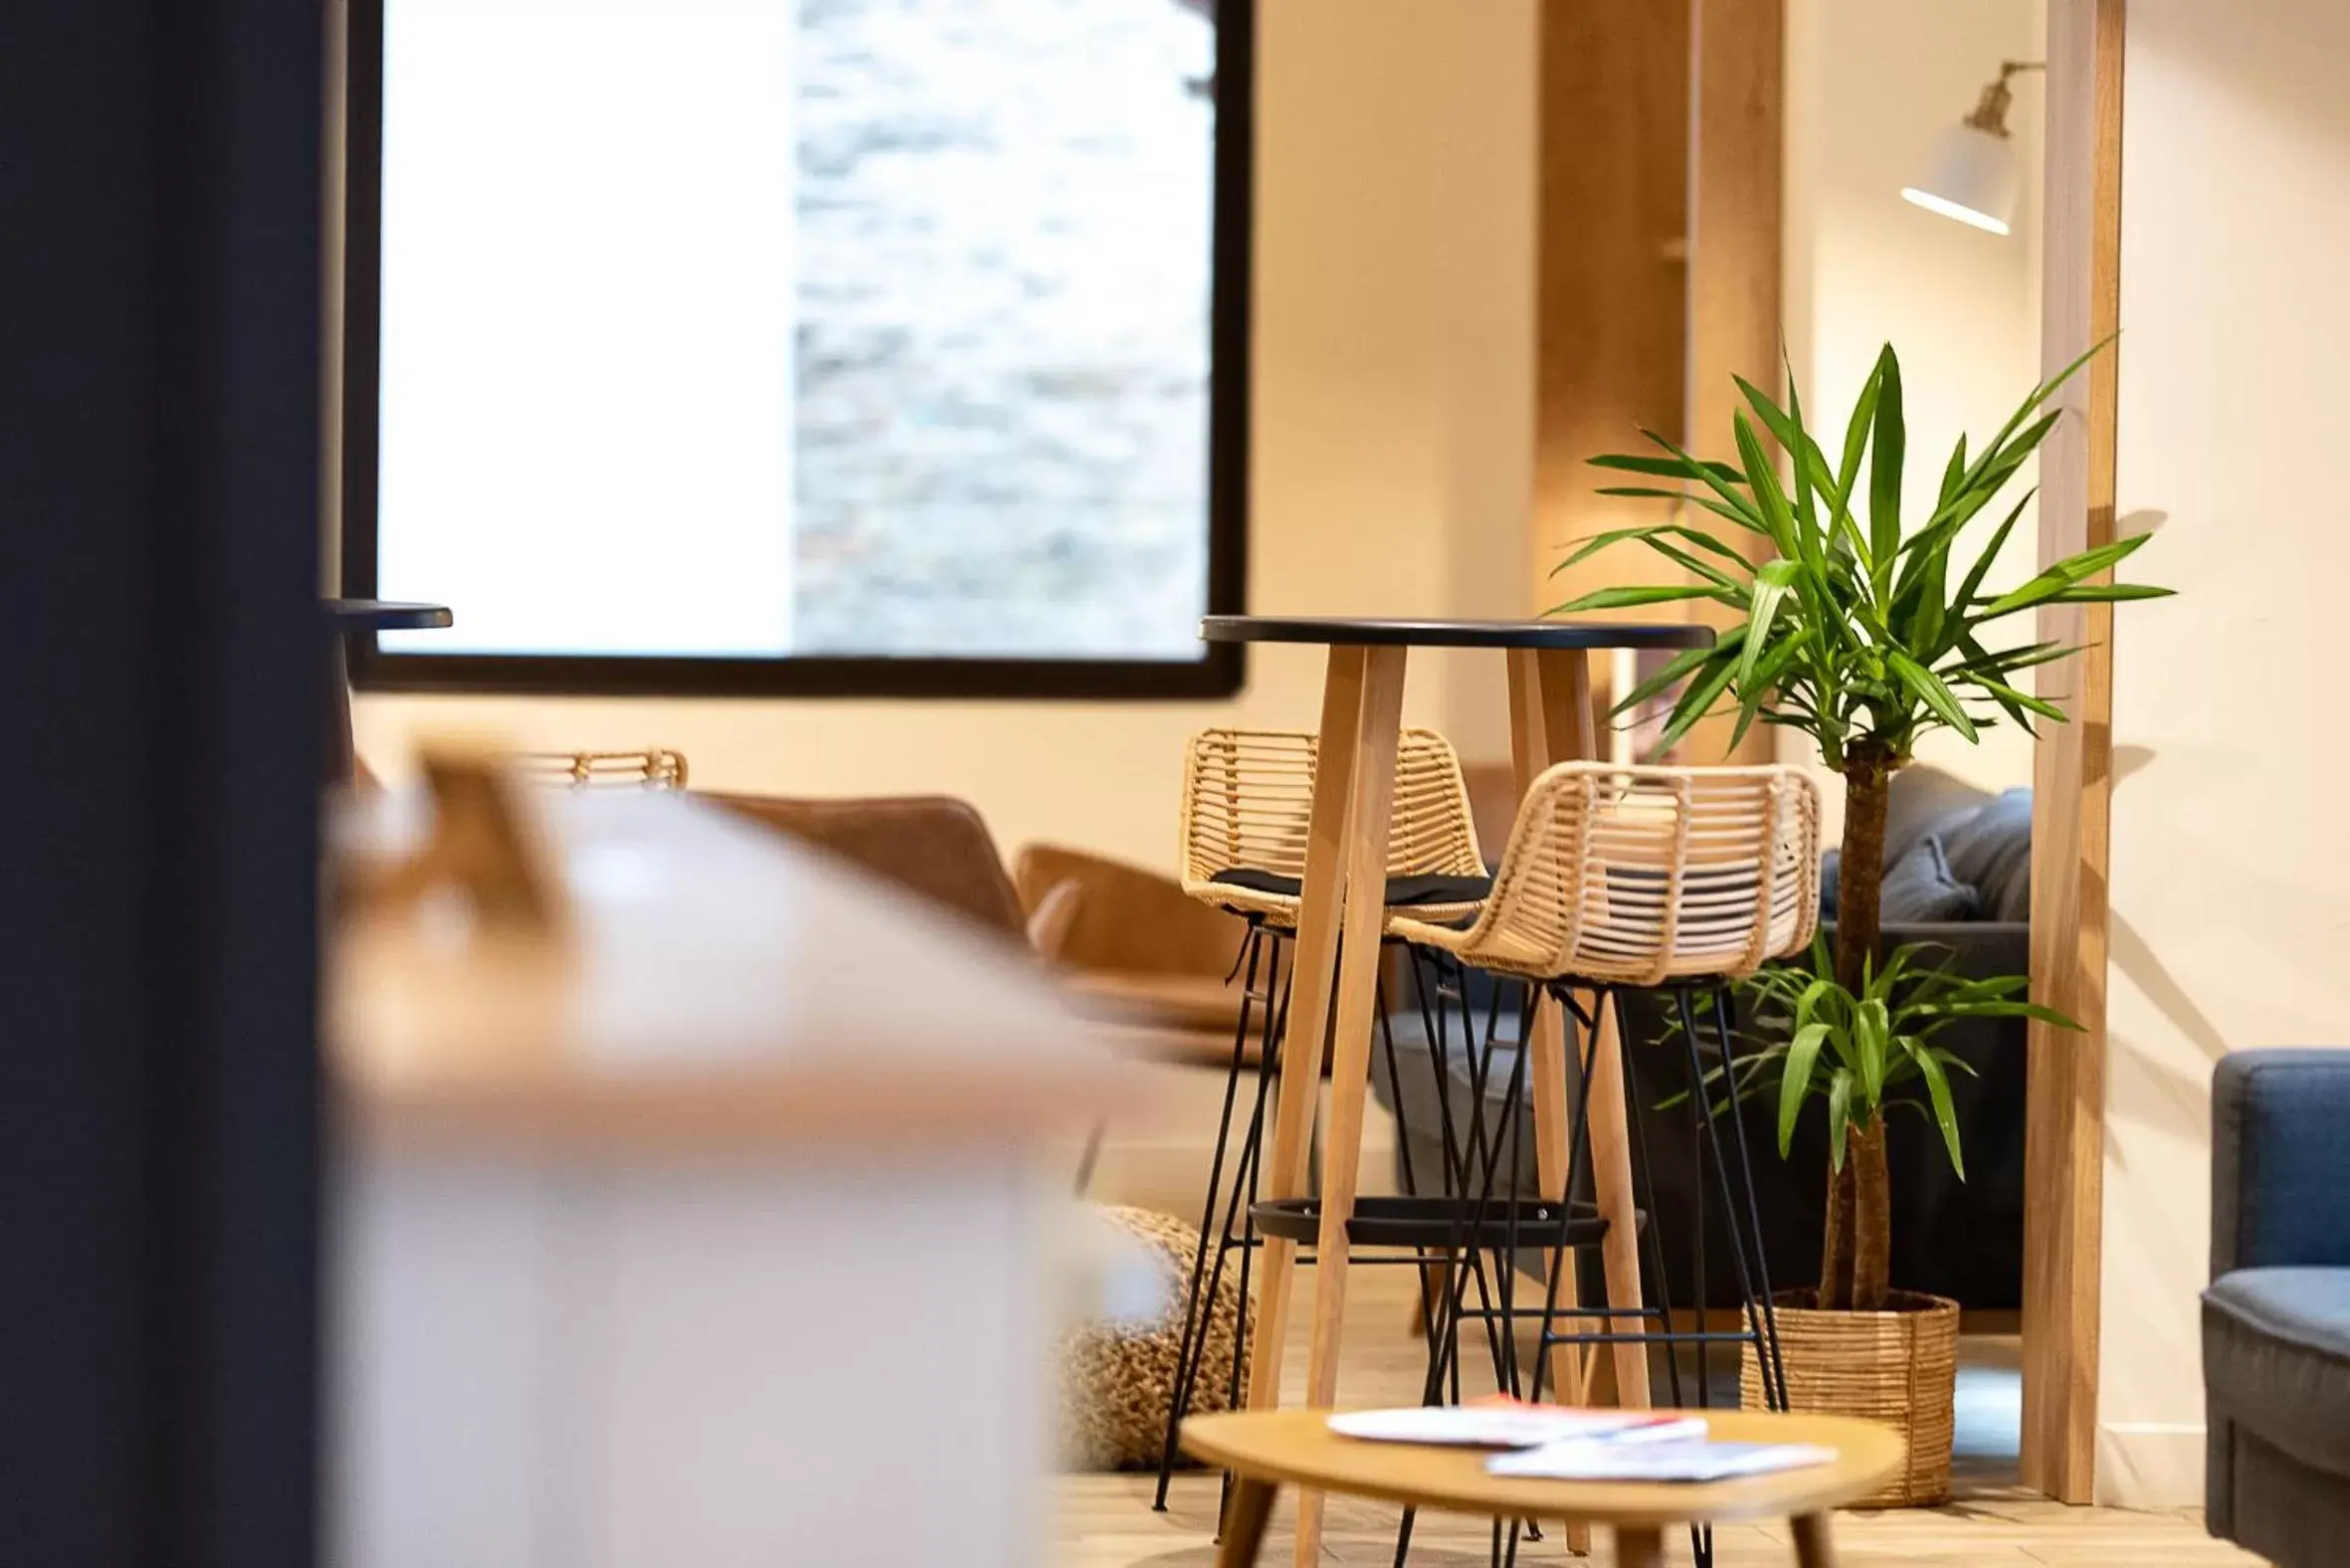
<point x="1856" y="1249"/>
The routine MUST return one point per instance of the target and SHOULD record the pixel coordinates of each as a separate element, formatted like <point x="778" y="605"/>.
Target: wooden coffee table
<point x="1267" y="1449"/>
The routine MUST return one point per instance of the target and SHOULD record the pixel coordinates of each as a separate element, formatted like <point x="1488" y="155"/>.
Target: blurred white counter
<point x="713" y="1231"/>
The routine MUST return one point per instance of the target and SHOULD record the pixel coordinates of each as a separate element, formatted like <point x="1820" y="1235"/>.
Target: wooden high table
<point x="1550" y="722"/>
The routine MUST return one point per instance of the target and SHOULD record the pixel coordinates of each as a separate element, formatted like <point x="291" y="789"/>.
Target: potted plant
<point x="1861" y="634"/>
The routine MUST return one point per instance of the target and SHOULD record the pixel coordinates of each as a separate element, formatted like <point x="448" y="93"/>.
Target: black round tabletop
<point x="385" y="615"/>
<point x="1351" y="632"/>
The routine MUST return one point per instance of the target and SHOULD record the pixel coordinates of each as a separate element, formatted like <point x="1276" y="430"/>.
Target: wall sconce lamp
<point x="1971" y="175"/>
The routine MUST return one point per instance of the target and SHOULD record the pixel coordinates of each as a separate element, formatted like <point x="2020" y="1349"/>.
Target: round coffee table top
<point x="1298" y="1448"/>
<point x="1357" y="632"/>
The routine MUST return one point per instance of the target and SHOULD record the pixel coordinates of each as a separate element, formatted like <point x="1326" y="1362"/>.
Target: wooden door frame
<point x="2064" y="1108"/>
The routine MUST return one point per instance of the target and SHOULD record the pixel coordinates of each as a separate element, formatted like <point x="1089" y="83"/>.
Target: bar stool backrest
<point x="657" y="768"/>
<point x="1248" y="800"/>
<point x="1643" y="875"/>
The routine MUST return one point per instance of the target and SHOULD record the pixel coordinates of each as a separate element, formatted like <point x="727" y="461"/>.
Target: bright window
<point x="798" y="344"/>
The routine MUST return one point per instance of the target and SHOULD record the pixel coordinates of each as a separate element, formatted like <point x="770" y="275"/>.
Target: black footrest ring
<point x="1440" y="1223"/>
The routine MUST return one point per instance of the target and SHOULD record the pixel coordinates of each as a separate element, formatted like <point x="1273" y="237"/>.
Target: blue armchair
<point x="2276" y="1318"/>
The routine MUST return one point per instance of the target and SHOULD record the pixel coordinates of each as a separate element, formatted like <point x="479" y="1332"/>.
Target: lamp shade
<point x="1970" y="176"/>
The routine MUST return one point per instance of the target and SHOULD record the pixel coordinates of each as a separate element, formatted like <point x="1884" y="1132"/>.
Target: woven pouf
<point x="1117" y="1379"/>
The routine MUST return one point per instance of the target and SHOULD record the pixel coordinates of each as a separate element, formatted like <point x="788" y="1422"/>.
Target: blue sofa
<point x="2276" y="1318"/>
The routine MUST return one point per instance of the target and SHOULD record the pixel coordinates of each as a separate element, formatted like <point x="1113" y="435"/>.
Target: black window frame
<point x="1218" y="672"/>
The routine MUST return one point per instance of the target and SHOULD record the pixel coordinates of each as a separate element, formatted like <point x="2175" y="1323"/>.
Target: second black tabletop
<point x="1356" y="632"/>
<point x="385" y="615"/>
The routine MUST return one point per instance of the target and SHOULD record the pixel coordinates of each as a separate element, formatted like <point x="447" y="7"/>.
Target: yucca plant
<point x="1863" y="634"/>
<point x="1863" y="1050"/>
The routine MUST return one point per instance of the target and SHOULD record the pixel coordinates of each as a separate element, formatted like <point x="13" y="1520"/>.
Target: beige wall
<point x="2231" y="923"/>
<point x="1392" y="447"/>
<point x="1868" y="88"/>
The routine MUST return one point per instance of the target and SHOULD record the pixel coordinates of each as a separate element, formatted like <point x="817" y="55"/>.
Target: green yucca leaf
<point x="2108" y="593"/>
<point x="1755" y="689"/>
<point x="1803" y="454"/>
<point x="1690" y="498"/>
<point x="2007" y="661"/>
<point x="1954" y="475"/>
<point x="1662" y="546"/>
<point x="1847" y="471"/>
<point x="1696" y="536"/>
<point x="1884" y="471"/>
<point x="1678" y="467"/>
<point x="1945" y="1114"/>
<point x="1627" y="598"/>
<point x="1763" y="481"/>
<point x="1724" y="647"/>
<point x="1599" y="541"/>
<point x="1929" y="689"/>
<point x="2041" y="394"/>
<point x="2010" y="698"/>
<point x="1696" y="702"/>
<point x="1839" y="1115"/>
<point x="2065" y="574"/>
<point x="1718" y="478"/>
<point x="1772" y="583"/>
<point x="1925" y="632"/>
<point x="1983" y="562"/>
<point x="1795" y="1078"/>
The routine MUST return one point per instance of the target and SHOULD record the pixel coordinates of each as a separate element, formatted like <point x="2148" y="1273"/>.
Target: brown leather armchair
<point x="1138" y="951"/>
<point x="1129" y="947"/>
<point x="931" y="844"/>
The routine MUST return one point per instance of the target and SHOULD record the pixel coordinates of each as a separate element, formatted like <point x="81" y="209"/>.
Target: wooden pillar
<point x="2073" y="776"/>
<point x="1737" y="116"/>
<point x="1609" y="280"/>
<point x="1659" y="275"/>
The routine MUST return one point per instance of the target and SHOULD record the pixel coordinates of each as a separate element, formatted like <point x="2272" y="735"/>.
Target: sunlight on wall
<point x="2230" y="928"/>
<point x="1868" y="87"/>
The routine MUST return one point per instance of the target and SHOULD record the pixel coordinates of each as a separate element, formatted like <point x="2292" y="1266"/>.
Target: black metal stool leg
<point x="1091" y="1156"/>
<point x="1580" y="1037"/>
<point x="1701" y="1285"/>
<point x="1241" y="1208"/>
<point x="1432" y="1028"/>
<point x="1253" y="945"/>
<point x="1772" y="1366"/>
<point x="1458" y="1177"/>
<point x="1644" y="1178"/>
<point x="1763" y="1346"/>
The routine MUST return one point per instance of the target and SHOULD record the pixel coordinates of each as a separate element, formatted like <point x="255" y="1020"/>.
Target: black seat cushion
<point x="2276" y="1358"/>
<point x="1402" y="892"/>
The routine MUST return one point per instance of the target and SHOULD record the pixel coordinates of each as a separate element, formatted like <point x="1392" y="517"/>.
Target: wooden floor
<point x="1106" y="1522"/>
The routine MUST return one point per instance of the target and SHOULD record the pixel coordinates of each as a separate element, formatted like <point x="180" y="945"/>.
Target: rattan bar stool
<point x="1677" y="880"/>
<point x="1248" y="797"/>
<point x="655" y="768"/>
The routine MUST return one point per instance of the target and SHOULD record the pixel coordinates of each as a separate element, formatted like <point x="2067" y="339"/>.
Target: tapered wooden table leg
<point x="1363" y="919"/>
<point x="1244" y="1523"/>
<point x="1815" y="1546"/>
<point x="1638" y="1546"/>
<point x="1611" y="1174"/>
<point x="1551" y="722"/>
<point x="1310" y="978"/>
<point x="1542" y="731"/>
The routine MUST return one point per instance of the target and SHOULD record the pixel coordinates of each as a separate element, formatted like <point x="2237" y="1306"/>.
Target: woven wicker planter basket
<point x="1898" y="1367"/>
